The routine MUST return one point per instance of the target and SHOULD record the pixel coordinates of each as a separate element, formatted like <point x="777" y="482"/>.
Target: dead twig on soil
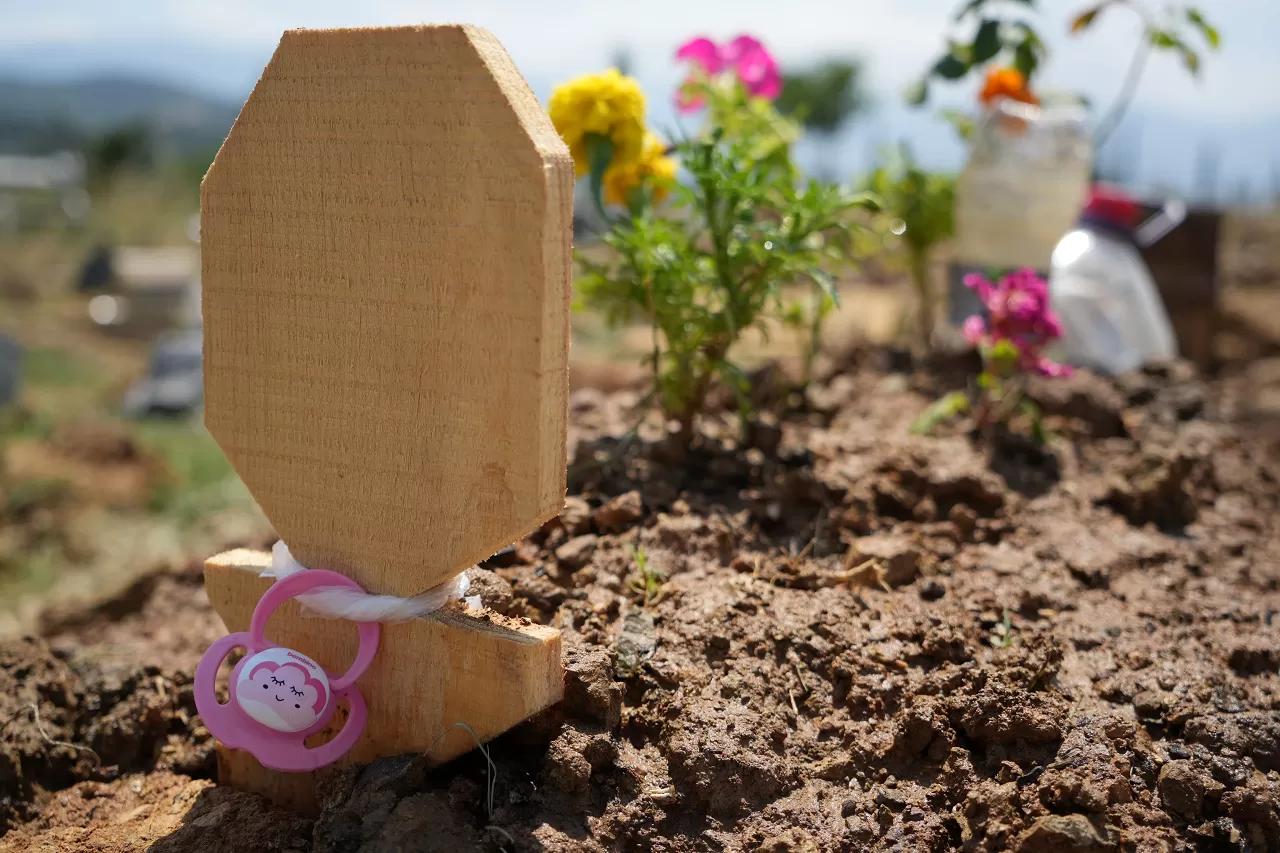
<point x="871" y="573"/>
<point x="503" y="833"/>
<point x="1002" y="635"/>
<point x="795" y="665"/>
<point x="817" y="531"/>
<point x="491" y="780"/>
<point x="35" y="716"/>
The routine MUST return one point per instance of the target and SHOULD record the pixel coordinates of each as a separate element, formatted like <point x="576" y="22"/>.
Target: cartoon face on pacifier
<point x="282" y="689"/>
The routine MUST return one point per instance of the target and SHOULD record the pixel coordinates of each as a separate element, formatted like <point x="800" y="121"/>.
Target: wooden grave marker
<point x="386" y="248"/>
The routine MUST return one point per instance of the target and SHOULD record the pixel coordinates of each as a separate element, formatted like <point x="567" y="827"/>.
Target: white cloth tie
<point x="342" y="603"/>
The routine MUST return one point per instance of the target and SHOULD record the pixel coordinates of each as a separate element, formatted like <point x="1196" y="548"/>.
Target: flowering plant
<point x="602" y="119"/>
<point x="750" y="63"/>
<point x="725" y="251"/>
<point x="1012" y="338"/>
<point x="1171" y="33"/>
<point x="1005" y="33"/>
<point x="1000" y="83"/>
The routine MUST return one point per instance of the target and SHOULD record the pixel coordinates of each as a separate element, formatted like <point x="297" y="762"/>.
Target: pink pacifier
<point x="280" y="697"/>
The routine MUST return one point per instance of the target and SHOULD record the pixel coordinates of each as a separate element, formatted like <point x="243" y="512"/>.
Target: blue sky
<point x="221" y="45"/>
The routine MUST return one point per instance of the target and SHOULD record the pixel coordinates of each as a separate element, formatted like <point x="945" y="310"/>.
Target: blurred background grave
<point x="140" y="291"/>
<point x="10" y="371"/>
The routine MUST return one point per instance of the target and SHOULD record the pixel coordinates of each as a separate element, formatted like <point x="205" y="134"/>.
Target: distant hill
<point x="41" y="110"/>
<point x="36" y="115"/>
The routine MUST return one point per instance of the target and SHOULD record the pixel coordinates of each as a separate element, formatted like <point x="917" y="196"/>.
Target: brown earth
<point x="816" y="658"/>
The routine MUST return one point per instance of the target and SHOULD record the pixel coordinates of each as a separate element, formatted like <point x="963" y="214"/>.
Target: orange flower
<point x="1006" y="83"/>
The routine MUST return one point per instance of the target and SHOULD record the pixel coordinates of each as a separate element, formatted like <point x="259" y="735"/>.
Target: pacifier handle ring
<point x="303" y="582"/>
<point x="327" y="753"/>
<point x="207" y="670"/>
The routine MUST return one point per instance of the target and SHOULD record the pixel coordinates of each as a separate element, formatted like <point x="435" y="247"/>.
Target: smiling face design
<point x="282" y="689"/>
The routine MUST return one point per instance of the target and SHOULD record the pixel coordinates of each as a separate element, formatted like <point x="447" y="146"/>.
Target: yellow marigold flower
<point x="621" y="178"/>
<point x="606" y="104"/>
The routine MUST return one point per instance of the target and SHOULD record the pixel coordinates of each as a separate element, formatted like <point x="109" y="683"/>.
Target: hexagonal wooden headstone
<point x="386" y="242"/>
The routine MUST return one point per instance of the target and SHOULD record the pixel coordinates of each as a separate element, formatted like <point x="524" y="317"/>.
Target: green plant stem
<point x="995" y="411"/>
<point x="815" y="344"/>
<point x="701" y="385"/>
<point x="720" y="244"/>
<point x="1129" y="88"/>
<point x="919" y="263"/>
<point x="718" y="216"/>
<point x="654" y="333"/>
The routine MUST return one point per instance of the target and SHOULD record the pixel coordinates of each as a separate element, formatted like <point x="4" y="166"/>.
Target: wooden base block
<point x="478" y="668"/>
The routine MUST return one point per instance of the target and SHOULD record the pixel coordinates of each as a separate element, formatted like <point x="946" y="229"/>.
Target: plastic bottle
<point x="1021" y="190"/>
<point x="1112" y="316"/>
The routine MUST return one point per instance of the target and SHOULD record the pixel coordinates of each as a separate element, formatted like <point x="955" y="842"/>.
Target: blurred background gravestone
<point x="1184" y="264"/>
<point x="174" y="383"/>
<point x="10" y="370"/>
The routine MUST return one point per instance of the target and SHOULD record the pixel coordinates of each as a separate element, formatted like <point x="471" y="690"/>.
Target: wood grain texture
<point x="386" y="247"/>
<point x="453" y="666"/>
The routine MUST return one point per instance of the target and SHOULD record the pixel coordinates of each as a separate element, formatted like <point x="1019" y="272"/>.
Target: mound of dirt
<point x="843" y="638"/>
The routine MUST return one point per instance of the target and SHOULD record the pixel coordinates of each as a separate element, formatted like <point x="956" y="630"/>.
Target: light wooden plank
<point x="386" y="250"/>
<point x="386" y="240"/>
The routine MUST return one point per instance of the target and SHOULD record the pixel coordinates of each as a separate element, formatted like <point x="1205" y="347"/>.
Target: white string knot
<point x="337" y="602"/>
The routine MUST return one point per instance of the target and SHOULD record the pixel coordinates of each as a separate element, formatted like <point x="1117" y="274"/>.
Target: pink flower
<point x="978" y="285"/>
<point x="975" y="329"/>
<point x="1045" y="367"/>
<point x="1027" y="281"/>
<point x="1018" y="312"/>
<point x="750" y="61"/>
<point x="759" y="74"/>
<point x="704" y="53"/>
<point x="741" y="48"/>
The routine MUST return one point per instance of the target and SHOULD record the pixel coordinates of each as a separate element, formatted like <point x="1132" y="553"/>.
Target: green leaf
<point x="976" y="5"/>
<point x="1210" y="33"/>
<point x="1025" y="59"/>
<point x="868" y="201"/>
<point x="1086" y="18"/>
<point x="986" y="44"/>
<point x="1038" y="431"/>
<point x="826" y="284"/>
<point x="793" y="314"/>
<point x="1002" y="358"/>
<point x="951" y="67"/>
<point x="1164" y="40"/>
<point x="963" y="123"/>
<point x="1028" y="51"/>
<point x="1191" y="60"/>
<point x="736" y="379"/>
<point x="599" y="156"/>
<point x="640" y="199"/>
<point x="941" y="410"/>
<point x="968" y="9"/>
<point x="918" y="92"/>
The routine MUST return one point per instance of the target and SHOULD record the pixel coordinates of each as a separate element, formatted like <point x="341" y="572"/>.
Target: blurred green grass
<point x="89" y="499"/>
<point x="57" y="368"/>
